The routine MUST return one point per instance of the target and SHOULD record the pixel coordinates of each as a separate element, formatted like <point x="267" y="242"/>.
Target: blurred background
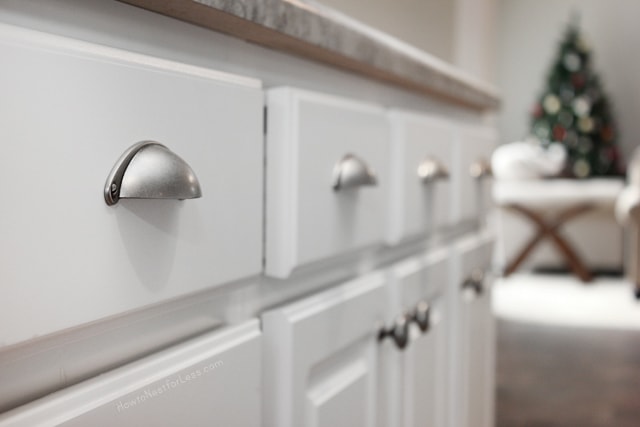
<point x="512" y="43"/>
<point x="567" y="70"/>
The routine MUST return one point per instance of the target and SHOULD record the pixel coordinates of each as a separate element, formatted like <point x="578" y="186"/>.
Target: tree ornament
<point x="551" y="104"/>
<point x="572" y="61"/>
<point x="583" y="44"/>
<point x="565" y="118"/>
<point x="571" y="139"/>
<point x="558" y="133"/>
<point x="577" y="80"/>
<point x="585" y="124"/>
<point x="581" y="168"/>
<point x="541" y="130"/>
<point x="607" y="133"/>
<point x="581" y="106"/>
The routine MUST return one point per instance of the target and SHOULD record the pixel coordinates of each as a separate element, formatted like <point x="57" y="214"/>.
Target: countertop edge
<point x="314" y="32"/>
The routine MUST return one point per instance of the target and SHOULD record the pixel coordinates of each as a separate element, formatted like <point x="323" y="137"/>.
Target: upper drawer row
<point x="343" y="175"/>
<point x="70" y="109"/>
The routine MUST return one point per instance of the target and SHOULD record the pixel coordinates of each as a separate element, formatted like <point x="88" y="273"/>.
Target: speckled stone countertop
<point x="311" y="30"/>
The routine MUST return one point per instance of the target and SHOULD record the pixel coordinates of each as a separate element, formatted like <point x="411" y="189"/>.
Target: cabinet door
<point x="213" y="380"/>
<point x="480" y="366"/>
<point x="472" y="177"/>
<point x="425" y="367"/>
<point x="69" y="110"/>
<point x="321" y="357"/>
<point x="422" y="152"/>
<point x="312" y="139"/>
<point x="416" y="378"/>
<point x="473" y="332"/>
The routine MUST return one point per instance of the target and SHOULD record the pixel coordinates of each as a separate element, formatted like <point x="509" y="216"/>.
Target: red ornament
<point x="577" y="80"/>
<point x="607" y="133"/>
<point x="559" y="133"/>
<point x="613" y="155"/>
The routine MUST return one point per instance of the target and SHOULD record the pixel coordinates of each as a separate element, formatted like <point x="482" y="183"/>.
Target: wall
<point x="461" y="32"/>
<point x="528" y="35"/>
<point x="426" y="24"/>
<point x="474" y="47"/>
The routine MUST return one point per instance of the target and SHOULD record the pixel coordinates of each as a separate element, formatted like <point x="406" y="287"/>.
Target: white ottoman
<point x="531" y="212"/>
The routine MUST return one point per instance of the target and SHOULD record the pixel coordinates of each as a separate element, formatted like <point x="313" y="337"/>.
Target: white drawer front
<point x="214" y="380"/>
<point x="475" y="145"/>
<point x="421" y="160"/>
<point x="307" y="219"/>
<point x="69" y="110"/>
<point x="419" y="278"/>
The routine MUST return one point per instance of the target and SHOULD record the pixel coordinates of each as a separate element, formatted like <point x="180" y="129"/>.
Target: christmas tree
<point x="573" y="110"/>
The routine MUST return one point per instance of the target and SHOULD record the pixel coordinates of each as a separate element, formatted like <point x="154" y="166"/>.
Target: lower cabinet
<point x="416" y="376"/>
<point x="408" y="346"/>
<point x="321" y="357"/>
<point x="212" y="380"/>
<point x="473" y="332"/>
<point x="370" y="352"/>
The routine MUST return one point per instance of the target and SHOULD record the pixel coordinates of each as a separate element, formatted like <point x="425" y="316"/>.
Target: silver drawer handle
<point x="149" y="170"/>
<point x="431" y="170"/>
<point x="479" y="169"/>
<point x="475" y="282"/>
<point x="352" y="172"/>
<point x="398" y="332"/>
<point x="421" y="316"/>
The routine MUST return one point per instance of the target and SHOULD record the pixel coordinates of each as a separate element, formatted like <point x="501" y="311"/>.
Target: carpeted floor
<point x="554" y="375"/>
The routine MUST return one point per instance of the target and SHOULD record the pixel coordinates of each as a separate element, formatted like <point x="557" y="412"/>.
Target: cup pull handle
<point x="480" y="169"/>
<point x="149" y="170"/>
<point x="431" y="170"/>
<point x="398" y="332"/>
<point x="475" y="282"/>
<point x="421" y="316"/>
<point x="352" y="172"/>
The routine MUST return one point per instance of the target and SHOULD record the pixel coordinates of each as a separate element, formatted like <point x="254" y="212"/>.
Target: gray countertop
<point x="311" y="30"/>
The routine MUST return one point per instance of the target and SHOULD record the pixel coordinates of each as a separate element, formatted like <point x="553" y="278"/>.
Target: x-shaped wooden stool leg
<point x="549" y="228"/>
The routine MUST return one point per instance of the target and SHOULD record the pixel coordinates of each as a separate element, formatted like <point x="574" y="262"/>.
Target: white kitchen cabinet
<point x="212" y="380"/>
<point x="473" y="332"/>
<point x="321" y="357"/>
<point x="416" y="378"/>
<point x="422" y="157"/>
<point x="327" y="177"/>
<point x="69" y="110"/>
<point x="313" y="191"/>
<point x="472" y="178"/>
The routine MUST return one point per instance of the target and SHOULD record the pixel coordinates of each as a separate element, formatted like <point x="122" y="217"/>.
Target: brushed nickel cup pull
<point x="149" y="170"/>
<point x="431" y="170"/>
<point x="352" y="172"/>
<point x="475" y="282"/>
<point x="422" y="316"/>
<point x="480" y="169"/>
<point x="398" y="332"/>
